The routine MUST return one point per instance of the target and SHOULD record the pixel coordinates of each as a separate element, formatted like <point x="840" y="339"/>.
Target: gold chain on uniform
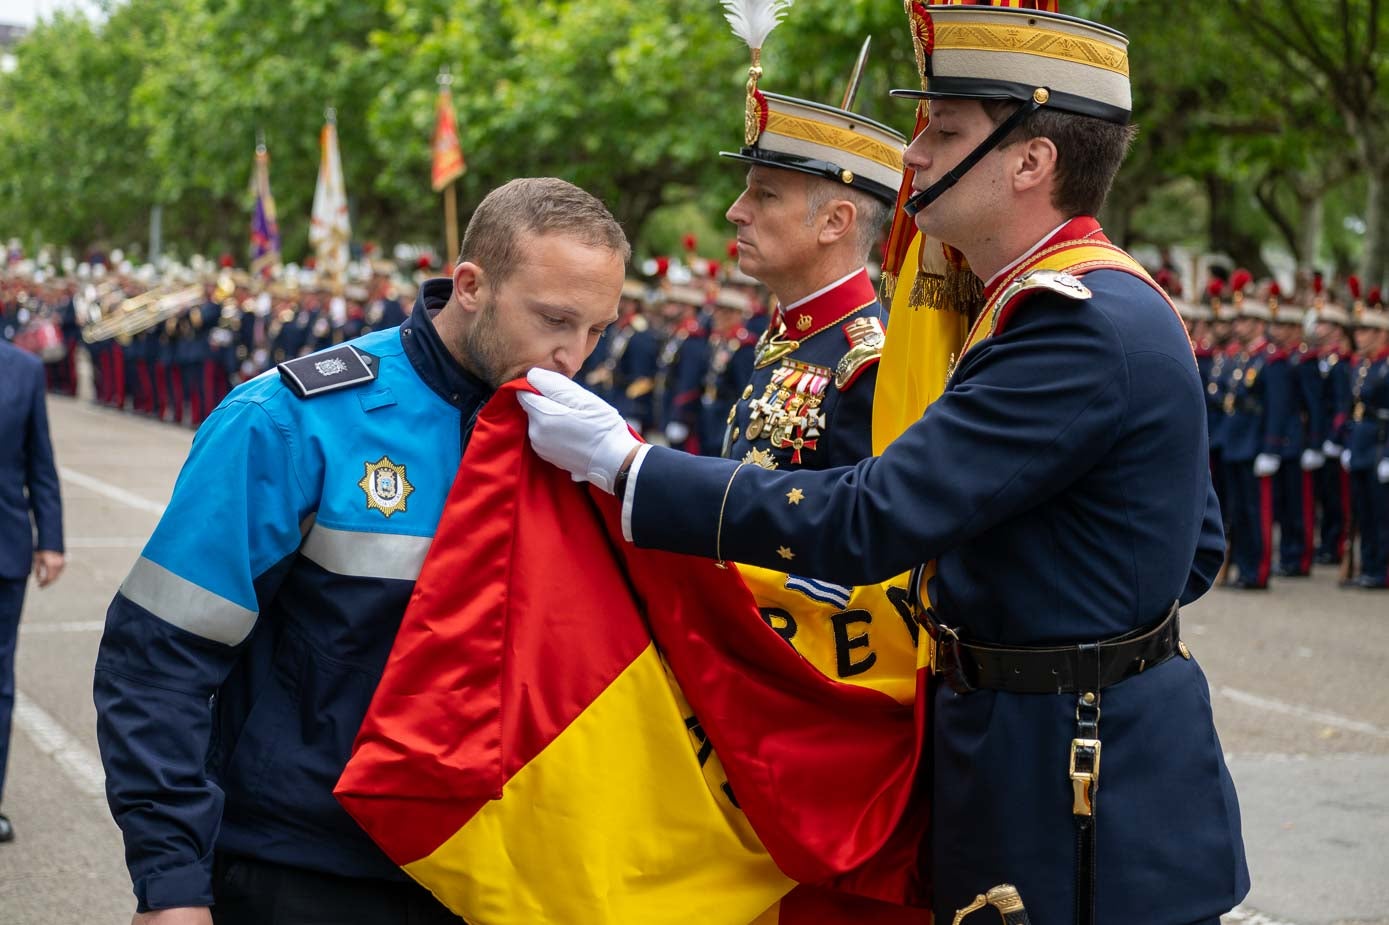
<point x="779" y="348"/>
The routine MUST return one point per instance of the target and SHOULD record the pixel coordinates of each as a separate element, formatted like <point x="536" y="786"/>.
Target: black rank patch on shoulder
<point x="328" y="370"/>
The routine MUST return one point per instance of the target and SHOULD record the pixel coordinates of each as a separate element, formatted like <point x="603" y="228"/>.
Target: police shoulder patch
<point x="328" y="370"/>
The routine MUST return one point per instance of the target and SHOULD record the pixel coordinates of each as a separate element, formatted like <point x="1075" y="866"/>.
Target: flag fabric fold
<point x="265" y="228"/>
<point x="529" y="755"/>
<point x="330" y="229"/>
<point x="448" y="162"/>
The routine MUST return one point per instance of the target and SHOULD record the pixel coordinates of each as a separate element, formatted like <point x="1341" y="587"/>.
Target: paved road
<point x="1297" y="676"/>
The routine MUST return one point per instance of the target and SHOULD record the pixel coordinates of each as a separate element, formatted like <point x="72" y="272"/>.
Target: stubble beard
<point x="482" y="350"/>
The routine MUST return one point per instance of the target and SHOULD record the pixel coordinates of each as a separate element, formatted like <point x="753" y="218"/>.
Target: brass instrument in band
<point x="142" y="312"/>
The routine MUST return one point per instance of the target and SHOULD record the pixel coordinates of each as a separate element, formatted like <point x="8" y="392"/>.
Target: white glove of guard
<point x="677" y="433"/>
<point x="1266" y="464"/>
<point x="1331" y="449"/>
<point x="1382" y="471"/>
<point x="574" y="429"/>
<point x="1312" y="460"/>
<point x="1345" y="460"/>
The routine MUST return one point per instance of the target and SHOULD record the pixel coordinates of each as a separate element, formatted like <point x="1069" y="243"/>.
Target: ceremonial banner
<point x="329" y="228"/>
<point x="448" y="151"/>
<point x="528" y="756"/>
<point x="265" y="229"/>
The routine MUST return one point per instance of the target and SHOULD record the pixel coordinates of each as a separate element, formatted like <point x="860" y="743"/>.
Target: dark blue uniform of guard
<point x="241" y="652"/>
<point x="31" y="512"/>
<point x="1366" y="438"/>
<point x="1257" y="400"/>
<point x="1333" y="482"/>
<point x="800" y="408"/>
<point x="1294" y="490"/>
<point x="636" y="351"/>
<point x="1061" y="483"/>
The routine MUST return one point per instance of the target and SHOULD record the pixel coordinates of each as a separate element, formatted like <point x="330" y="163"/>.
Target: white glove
<point x="1266" y="464"/>
<point x="1382" y="471"/>
<point x="676" y="433"/>
<point x="1345" y="460"/>
<point x="1331" y="449"/>
<point x="1312" y="460"/>
<point x="576" y="430"/>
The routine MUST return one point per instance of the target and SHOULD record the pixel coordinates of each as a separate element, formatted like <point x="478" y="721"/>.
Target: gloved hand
<point x="1331" y="449"/>
<point x="1345" y="460"/>
<point x="576" y="430"/>
<point x="1312" y="460"/>
<point x="1266" y="464"/>
<point x="1382" y="471"/>
<point x="677" y="433"/>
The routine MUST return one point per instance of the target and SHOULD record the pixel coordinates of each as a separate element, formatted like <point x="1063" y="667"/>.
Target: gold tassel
<point x="927" y="291"/>
<point x="964" y="292"/>
<point x="887" y="288"/>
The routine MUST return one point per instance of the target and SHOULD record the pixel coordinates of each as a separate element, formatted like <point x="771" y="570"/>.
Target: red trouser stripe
<point x="1346" y="515"/>
<point x="1309" y="521"/>
<point x="1265" y="528"/>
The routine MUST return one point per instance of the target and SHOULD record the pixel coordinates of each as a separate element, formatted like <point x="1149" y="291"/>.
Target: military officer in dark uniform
<point x="731" y="353"/>
<point x="635" y="355"/>
<point x="1365" y="456"/>
<point x="1294" y="506"/>
<point x="680" y="378"/>
<point x="1060" y="484"/>
<point x="820" y="185"/>
<point x="1333" y="366"/>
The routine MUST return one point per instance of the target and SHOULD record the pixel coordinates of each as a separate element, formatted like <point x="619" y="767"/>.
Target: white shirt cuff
<point x="630" y="495"/>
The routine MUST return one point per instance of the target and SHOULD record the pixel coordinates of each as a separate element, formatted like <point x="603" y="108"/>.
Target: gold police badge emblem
<point x="386" y="486"/>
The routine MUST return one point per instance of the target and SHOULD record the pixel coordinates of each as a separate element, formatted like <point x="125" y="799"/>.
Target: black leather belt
<point x="970" y="666"/>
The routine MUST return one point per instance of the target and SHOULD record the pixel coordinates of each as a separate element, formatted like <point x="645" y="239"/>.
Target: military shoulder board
<point x="328" y="370"/>
<point x="865" y="336"/>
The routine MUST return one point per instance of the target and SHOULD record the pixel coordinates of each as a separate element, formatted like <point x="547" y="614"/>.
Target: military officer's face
<point x="548" y="312"/>
<point x="777" y="238"/>
<point x="955" y="129"/>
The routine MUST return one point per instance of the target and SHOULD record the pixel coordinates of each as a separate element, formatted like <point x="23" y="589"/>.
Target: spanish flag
<point x="529" y="757"/>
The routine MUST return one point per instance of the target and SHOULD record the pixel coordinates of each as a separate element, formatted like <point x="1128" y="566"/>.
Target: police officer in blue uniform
<point x="1366" y="456"/>
<point x="241" y="652"/>
<point x="1256" y="400"/>
<point x="1060" y="484"/>
<point x="820" y="185"/>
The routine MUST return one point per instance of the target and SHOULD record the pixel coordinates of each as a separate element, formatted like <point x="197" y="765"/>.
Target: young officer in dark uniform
<point x="1333" y="482"/>
<point x="821" y="183"/>
<point x="1365" y="456"/>
<point x="1255" y="400"/>
<point x="1060" y="483"/>
<point x="1294" y="504"/>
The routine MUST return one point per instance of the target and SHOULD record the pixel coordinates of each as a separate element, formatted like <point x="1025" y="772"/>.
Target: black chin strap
<point x="929" y="195"/>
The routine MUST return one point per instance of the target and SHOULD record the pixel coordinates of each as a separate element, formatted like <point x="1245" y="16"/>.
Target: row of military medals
<point x="1241" y="374"/>
<point x="789" y="410"/>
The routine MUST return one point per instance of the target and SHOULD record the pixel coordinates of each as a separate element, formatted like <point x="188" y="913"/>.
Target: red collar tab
<point x="1382" y="355"/>
<point x="825" y="309"/>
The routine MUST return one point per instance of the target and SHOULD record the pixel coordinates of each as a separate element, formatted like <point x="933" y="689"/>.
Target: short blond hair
<point x="536" y="205"/>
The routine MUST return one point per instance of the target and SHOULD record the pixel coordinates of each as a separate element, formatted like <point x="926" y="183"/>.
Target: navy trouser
<point x="1251" y="521"/>
<point x="1295" y="511"/>
<point x="1334" y="489"/>
<point x="11" y="602"/>
<point x="251" y="892"/>
<point x="1370" y="499"/>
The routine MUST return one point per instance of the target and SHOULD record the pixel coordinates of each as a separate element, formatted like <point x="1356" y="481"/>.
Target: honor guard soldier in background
<point x="635" y="355"/>
<point x="1060" y="484"/>
<point x="1365" y="456"/>
<point x="731" y="352"/>
<point x="1294" y="506"/>
<point x="680" y="370"/>
<point x="820" y="186"/>
<point x="1333" y="364"/>
<point x="1215" y="376"/>
<point x="1255" y="401"/>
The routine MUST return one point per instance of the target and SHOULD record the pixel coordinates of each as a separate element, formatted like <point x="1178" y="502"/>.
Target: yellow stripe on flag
<point x="629" y="755"/>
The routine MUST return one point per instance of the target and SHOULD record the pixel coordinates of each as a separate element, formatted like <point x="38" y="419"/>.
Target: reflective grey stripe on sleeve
<point x="366" y="555"/>
<point x="190" y="607"/>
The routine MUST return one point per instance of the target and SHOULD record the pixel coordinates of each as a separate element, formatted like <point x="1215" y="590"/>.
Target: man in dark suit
<point x="28" y="483"/>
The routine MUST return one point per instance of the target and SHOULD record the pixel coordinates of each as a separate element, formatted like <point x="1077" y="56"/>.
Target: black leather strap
<point x="929" y="195"/>
<point x="967" y="665"/>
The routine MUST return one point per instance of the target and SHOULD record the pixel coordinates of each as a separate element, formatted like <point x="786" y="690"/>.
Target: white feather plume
<point x="752" y="20"/>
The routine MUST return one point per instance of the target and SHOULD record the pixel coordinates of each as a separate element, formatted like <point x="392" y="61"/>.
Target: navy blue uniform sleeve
<point x="1210" y="551"/>
<point x="1309" y="383"/>
<point x="42" y="477"/>
<point x="1031" y="410"/>
<point x="173" y="633"/>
